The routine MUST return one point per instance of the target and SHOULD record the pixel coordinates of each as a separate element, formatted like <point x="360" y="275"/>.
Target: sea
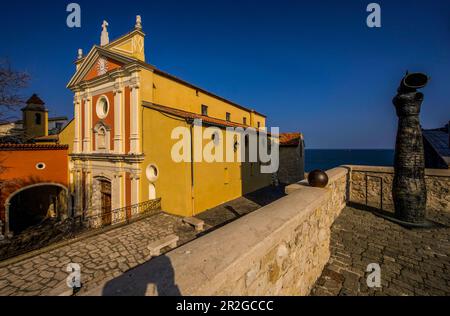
<point x="325" y="159"/>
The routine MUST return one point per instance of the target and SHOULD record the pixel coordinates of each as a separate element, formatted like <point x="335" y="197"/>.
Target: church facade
<point x="124" y="113"/>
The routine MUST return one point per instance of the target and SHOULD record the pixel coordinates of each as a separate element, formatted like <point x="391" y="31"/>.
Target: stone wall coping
<point x="376" y="169"/>
<point x="202" y="266"/>
<point x="333" y="175"/>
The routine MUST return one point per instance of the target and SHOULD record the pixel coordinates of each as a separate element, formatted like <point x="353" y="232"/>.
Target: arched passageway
<point x="31" y="205"/>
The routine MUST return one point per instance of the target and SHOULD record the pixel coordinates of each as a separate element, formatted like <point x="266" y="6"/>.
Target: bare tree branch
<point x="11" y="82"/>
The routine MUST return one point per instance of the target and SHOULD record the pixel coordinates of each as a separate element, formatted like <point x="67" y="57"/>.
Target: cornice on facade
<point x="129" y="158"/>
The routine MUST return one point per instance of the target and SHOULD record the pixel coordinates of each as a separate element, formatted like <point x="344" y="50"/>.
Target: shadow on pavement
<point x="156" y="277"/>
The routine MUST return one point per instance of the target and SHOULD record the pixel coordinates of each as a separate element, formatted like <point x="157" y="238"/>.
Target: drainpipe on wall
<point x="191" y="126"/>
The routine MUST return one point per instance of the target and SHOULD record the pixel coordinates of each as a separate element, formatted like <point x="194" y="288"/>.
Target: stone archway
<point x="31" y="204"/>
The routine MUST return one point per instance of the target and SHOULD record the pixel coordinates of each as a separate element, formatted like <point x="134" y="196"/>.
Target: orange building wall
<point x="18" y="170"/>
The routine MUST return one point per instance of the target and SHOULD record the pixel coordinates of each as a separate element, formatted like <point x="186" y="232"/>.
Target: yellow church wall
<point x="173" y="184"/>
<point x="217" y="182"/>
<point x="220" y="182"/>
<point x="67" y="135"/>
<point x="214" y="183"/>
<point x="146" y="80"/>
<point x="169" y="92"/>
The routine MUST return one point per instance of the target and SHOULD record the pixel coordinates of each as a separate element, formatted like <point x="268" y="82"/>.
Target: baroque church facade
<point x="120" y="139"/>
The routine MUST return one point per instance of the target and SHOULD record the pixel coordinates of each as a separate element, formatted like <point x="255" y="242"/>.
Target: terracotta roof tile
<point x="34" y="99"/>
<point x="35" y="103"/>
<point x="290" y="139"/>
<point x="191" y="115"/>
<point x="6" y="146"/>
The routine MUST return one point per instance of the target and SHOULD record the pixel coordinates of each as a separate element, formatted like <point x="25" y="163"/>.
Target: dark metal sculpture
<point x="409" y="190"/>
<point x="318" y="179"/>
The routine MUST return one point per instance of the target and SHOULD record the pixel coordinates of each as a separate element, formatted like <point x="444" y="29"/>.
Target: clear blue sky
<point x="311" y="66"/>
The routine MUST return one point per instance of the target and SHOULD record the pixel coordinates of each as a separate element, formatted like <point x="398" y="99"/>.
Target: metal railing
<point x="122" y="215"/>
<point x="75" y="227"/>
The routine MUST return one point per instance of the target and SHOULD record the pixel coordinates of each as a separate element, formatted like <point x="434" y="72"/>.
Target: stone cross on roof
<point x="104" y="39"/>
<point x="138" y="22"/>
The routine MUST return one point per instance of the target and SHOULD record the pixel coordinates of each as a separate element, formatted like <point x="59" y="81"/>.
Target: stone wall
<point x="280" y="249"/>
<point x="292" y="164"/>
<point x="375" y="184"/>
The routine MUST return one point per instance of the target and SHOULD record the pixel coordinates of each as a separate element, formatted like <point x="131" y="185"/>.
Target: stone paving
<point x="110" y="254"/>
<point x="101" y="257"/>
<point x="412" y="262"/>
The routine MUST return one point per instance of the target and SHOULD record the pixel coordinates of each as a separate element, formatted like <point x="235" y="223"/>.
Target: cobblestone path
<point x="108" y="255"/>
<point x="413" y="262"/>
<point x="101" y="257"/>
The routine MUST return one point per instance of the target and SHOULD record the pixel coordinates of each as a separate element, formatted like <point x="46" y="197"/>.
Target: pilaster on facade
<point x="88" y="192"/>
<point x="135" y="190"/>
<point x="77" y="118"/>
<point x="118" y="118"/>
<point x="135" y="129"/>
<point x="87" y="140"/>
<point x="118" y="187"/>
<point x="78" y="192"/>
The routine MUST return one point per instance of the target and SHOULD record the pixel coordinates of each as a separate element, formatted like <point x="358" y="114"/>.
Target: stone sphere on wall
<point x="318" y="179"/>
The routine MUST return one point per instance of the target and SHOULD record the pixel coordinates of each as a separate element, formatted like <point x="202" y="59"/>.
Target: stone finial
<point x="138" y="25"/>
<point x="80" y="53"/>
<point x="104" y="39"/>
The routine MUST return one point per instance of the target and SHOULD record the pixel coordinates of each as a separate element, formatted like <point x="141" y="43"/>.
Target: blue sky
<point x="310" y="66"/>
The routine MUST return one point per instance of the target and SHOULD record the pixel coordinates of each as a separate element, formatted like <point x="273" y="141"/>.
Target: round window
<point x="102" y="108"/>
<point x="40" y="166"/>
<point x="152" y="173"/>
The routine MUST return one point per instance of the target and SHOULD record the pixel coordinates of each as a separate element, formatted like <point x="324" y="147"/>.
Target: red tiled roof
<point x="32" y="147"/>
<point x="191" y="115"/>
<point x="290" y="139"/>
<point x="35" y="100"/>
<point x="35" y="103"/>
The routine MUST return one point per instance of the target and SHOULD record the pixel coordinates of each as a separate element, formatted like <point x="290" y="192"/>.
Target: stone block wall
<point x="375" y="184"/>
<point x="292" y="164"/>
<point x="280" y="249"/>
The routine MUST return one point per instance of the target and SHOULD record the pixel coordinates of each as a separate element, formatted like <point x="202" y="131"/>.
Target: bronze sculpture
<point x="409" y="191"/>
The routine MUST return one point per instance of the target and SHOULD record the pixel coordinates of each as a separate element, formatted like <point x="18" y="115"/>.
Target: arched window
<point x="151" y="191"/>
<point x="37" y="118"/>
<point x="101" y="138"/>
